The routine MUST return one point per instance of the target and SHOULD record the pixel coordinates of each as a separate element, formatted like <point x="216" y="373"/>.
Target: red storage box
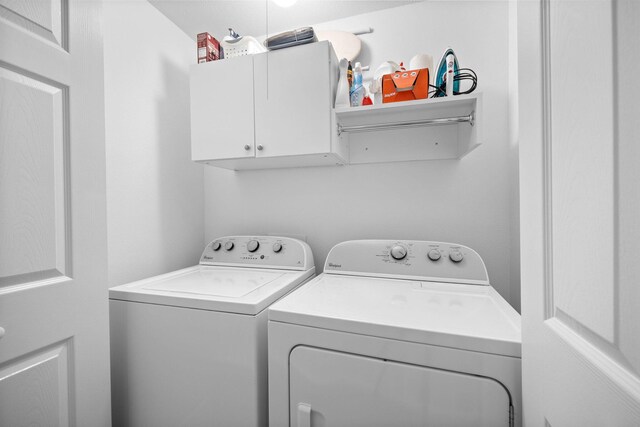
<point x="405" y="85"/>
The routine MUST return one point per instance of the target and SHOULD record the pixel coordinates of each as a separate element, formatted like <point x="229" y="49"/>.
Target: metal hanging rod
<point x="415" y="123"/>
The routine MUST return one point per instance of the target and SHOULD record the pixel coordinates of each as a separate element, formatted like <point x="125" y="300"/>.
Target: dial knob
<point x="434" y="255"/>
<point x="455" y="255"/>
<point x="277" y="247"/>
<point x="253" y="245"/>
<point x="229" y="245"/>
<point x="216" y="246"/>
<point x="398" y="252"/>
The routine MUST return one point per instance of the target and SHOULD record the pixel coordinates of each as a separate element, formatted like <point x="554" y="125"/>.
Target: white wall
<point x="154" y="192"/>
<point x="471" y="201"/>
<point x="514" y="150"/>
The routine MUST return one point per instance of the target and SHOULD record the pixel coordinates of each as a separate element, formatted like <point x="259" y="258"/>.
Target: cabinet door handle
<point x="247" y="147"/>
<point x="260" y="147"/>
<point x="1" y="332"/>
<point x="304" y="415"/>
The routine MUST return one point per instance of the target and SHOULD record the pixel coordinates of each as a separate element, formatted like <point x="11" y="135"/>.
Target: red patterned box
<point x="209" y="48"/>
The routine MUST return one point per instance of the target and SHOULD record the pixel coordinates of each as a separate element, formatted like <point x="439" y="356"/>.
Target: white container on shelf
<point x="342" y="92"/>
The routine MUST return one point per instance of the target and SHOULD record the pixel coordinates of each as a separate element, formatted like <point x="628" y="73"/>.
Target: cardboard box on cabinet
<point x="209" y="48"/>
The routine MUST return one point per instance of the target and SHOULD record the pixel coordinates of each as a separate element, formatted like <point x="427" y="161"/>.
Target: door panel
<point x="339" y="389"/>
<point x="53" y="284"/>
<point x="32" y="179"/>
<point x="222" y="113"/>
<point x="627" y="161"/>
<point x="578" y="136"/>
<point x="34" y="390"/>
<point x="42" y="17"/>
<point x="581" y="171"/>
<point x="293" y="100"/>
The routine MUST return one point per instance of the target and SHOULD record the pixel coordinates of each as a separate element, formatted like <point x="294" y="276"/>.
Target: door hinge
<point x="512" y="420"/>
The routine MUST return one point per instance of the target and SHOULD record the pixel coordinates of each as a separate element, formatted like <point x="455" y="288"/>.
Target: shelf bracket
<point x="414" y="123"/>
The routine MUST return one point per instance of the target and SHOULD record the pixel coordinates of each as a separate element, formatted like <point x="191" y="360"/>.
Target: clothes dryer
<point x="404" y="333"/>
<point x="189" y="348"/>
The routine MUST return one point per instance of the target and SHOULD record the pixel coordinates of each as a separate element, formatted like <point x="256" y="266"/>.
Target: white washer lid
<point x="460" y="316"/>
<point x="229" y="289"/>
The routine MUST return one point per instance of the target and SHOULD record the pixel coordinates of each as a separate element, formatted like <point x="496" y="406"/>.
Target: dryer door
<point x="329" y="388"/>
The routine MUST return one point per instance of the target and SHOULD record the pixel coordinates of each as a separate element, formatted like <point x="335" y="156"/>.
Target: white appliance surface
<point x="465" y="316"/>
<point x="236" y="280"/>
<point x="395" y="330"/>
<point x="230" y="289"/>
<point x="217" y="282"/>
<point x="190" y="347"/>
<point x="468" y="317"/>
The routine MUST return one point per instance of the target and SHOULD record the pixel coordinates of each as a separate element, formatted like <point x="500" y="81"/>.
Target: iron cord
<point x="467" y="75"/>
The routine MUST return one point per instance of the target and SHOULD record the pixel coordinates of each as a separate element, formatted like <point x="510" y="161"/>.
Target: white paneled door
<point x="53" y="301"/>
<point x="580" y="207"/>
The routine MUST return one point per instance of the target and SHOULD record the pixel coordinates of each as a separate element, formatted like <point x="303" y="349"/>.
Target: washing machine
<point x="189" y="348"/>
<point x="395" y="333"/>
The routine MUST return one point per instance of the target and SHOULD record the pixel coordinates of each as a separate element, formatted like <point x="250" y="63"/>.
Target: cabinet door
<point x="294" y="100"/>
<point x="339" y="389"/>
<point x="222" y="118"/>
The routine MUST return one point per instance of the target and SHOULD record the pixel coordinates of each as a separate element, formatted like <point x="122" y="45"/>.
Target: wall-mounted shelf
<point x="442" y="128"/>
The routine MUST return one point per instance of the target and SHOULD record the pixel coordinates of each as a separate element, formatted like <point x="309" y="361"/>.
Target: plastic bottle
<point x="357" y="90"/>
<point x="342" y="94"/>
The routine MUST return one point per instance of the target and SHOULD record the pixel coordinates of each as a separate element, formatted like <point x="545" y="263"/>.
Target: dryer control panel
<point x="259" y="251"/>
<point x="408" y="259"/>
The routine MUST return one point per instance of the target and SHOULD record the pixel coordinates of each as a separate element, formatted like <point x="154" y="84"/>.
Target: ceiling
<point x="249" y="17"/>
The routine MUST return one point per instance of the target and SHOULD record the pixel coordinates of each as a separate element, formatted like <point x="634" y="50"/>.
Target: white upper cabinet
<point x="269" y="110"/>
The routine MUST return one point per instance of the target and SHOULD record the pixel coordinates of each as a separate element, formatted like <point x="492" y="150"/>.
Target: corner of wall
<point x="155" y="193"/>
<point x="514" y="272"/>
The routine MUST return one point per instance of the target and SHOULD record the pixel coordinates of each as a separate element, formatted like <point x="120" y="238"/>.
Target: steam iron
<point x="441" y="72"/>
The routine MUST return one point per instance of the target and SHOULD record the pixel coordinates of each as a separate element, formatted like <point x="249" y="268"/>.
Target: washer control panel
<point x="409" y="259"/>
<point x="258" y="251"/>
<point x="398" y="252"/>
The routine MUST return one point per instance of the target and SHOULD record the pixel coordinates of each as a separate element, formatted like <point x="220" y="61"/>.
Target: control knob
<point x="277" y="247"/>
<point x="434" y="255"/>
<point x="228" y="246"/>
<point x="253" y="245"/>
<point x="455" y="255"/>
<point x="216" y="246"/>
<point x="398" y="252"/>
